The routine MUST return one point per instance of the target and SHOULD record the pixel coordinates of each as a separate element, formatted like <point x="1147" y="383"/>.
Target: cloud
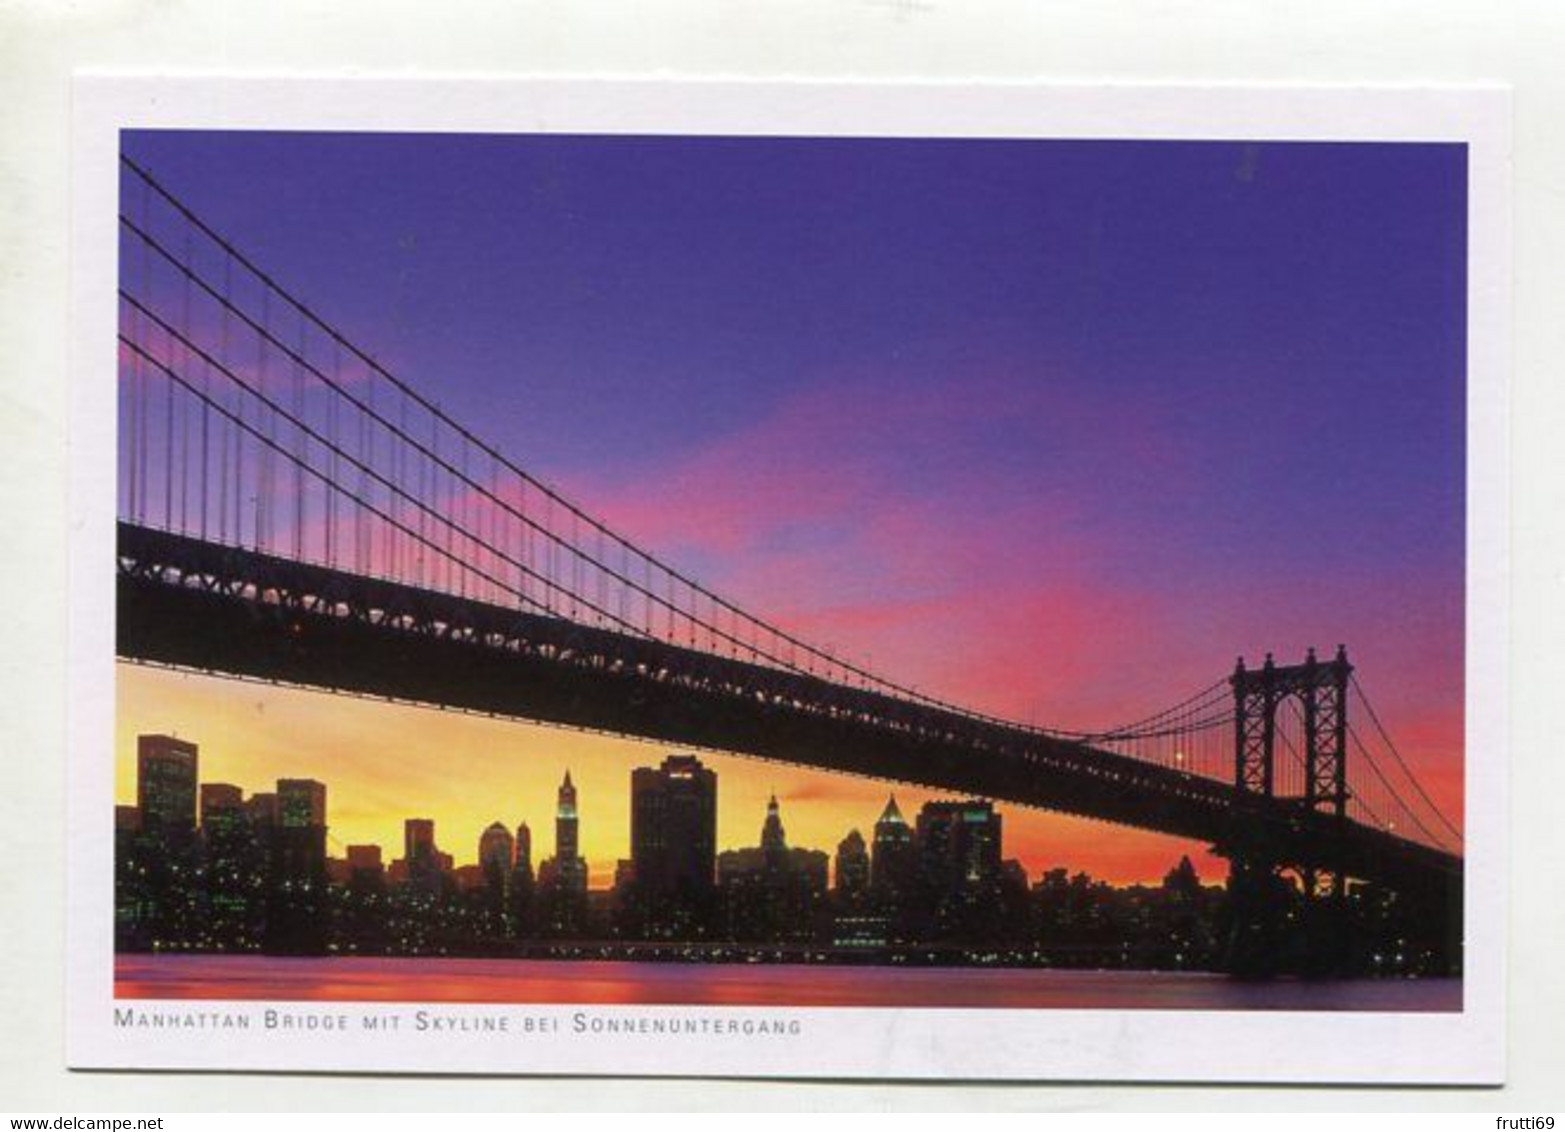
<point x="897" y="532"/>
<point x="969" y="538"/>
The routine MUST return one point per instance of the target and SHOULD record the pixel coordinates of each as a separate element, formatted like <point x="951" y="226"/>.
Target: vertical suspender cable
<point x="304" y="452"/>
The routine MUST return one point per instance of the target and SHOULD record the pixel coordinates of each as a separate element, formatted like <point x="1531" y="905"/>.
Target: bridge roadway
<point x="199" y="605"/>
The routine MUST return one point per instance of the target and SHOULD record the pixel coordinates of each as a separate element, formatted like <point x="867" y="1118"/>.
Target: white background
<point x="1198" y="41"/>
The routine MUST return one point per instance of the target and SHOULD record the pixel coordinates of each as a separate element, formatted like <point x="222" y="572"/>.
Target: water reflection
<point x="618" y="983"/>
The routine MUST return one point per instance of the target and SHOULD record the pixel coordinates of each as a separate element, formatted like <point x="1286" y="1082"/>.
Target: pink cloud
<point x="819" y="518"/>
<point x="802" y="517"/>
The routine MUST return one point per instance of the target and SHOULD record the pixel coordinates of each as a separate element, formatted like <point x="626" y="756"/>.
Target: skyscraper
<point x="521" y="898"/>
<point x="772" y="893"/>
<point x="420" y="865"/>
<point x="960" y="841"/>
<point x="134" y="904"/>
<point x="852" y="867"/>
<point x="565" y="874"/>
<point x="219" y="796"/>
<point x="364" y="859"/>
<point x="296" y="904"/>
<point x="166" y="784"/>
<point x="496" y="849"/>
<point x="127" y="819"/>
<point x="959" y="868"/>
<point x="565" y="822"/>
<point x="222" y="808"/>
<point x="673" y="838"/>
<point x="301" y="803"/>
<point x="235" y="866"/>
<point x="895" y="862"/>
<point x="261" y="809"/>
<point x="774" y="839"/>
<point x="418" y="840"/>
<point x="522" y="853"/>
<point x="856" y="921"/>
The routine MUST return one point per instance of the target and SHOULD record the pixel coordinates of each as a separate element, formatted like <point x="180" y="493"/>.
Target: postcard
<point x="876" y="581"/>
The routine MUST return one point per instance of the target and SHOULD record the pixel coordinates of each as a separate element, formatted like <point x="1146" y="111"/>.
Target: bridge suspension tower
<point x="1314" y="697"/>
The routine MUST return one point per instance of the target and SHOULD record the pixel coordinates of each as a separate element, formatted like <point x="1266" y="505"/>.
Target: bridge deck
<point x="221" y="609"/>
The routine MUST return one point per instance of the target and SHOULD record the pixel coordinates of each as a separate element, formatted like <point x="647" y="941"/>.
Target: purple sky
<point x="1056" y="428"/>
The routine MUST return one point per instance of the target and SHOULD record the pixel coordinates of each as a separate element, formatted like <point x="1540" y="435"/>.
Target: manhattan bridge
<point x="290" y="510"/>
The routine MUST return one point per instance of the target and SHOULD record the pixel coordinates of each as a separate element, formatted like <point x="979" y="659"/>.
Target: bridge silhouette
<point x="292" y="511"/>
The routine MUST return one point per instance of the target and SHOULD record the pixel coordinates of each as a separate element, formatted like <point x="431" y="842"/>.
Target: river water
<point x="359" y="979"/>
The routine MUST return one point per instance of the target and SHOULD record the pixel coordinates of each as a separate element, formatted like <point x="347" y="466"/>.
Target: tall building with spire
<point x="774" y="839"/>
<point x="563" y="877"/>
<point x="772" y="893"/>
<point x="893" y="874"/>
<point x="567" y="847"/>
<point x="895" y="855"/>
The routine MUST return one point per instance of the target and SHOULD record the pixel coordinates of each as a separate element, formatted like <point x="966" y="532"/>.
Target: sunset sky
<point x="1052" y="429"/>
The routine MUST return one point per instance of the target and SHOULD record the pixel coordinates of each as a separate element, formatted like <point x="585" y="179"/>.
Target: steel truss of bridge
<point x="199" y="605"/>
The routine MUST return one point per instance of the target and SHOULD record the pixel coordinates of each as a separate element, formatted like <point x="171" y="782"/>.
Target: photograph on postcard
<point x="899" y="602"/>
<point x="789" y="570"/>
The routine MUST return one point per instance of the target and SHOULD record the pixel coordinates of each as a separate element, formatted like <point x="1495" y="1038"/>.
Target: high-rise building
<point x="364" y="859"/>
<point x="774" y="839"/>
<point x="418" y="840"/>
<point x="301" y="803"/>
<point x="624" y="874"/>
<point x="960" y="841"/>
<point x="959" y="868"/>
<point x="566" y="845"/>
<point x="127" y="819"/>
<point x="134" y="902"/>
<point x="852" y="867"/>
<point x="571" y="867"/>
<point x="523" y="917"/>
<point x="673" y="840"/>
<point x="166" y="784"/>
<point x="361" y="910"/>
<point x="296" y="904"/>
<point x="857" y="923"/>
<point x="1182" y="881"/>
<point x="220" y="802"/>
<point x="894" y="865"/>
<point x="564" y="876"/>
<point x="772" y="893"/>
<point x="1014" y="874"/>
<point x="235" y="866"/>
<point x="522" y="854"/>
<point x="261" y="809"/>
<point x="496" y="849"/>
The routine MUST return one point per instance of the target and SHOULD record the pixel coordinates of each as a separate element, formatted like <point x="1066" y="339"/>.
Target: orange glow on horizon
<point x="385" y="762"/>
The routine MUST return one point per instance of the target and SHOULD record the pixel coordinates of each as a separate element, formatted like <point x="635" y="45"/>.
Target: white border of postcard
<point x="1146" y="1045"/>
